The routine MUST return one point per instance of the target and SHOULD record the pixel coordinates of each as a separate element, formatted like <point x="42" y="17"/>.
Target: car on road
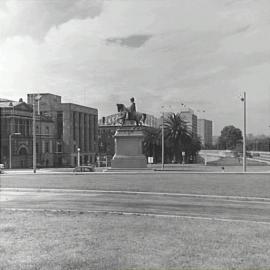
<point x="84" y="169"/>
<point x="2" y="166"/>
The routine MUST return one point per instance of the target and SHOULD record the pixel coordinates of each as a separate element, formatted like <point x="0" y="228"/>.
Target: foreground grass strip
<point x="106" y="212"/>
<point x="73" y="240"/>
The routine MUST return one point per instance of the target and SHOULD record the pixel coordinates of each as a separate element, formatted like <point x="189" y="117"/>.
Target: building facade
<point x="64" y="131"/>
<point x="205" y="132"/>
<point x="191" y="119"/>
<point x="16" y="136"/>
<point x="75" y="129"/>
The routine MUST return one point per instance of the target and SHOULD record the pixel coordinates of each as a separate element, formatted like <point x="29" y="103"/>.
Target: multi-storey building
<point x="191" y="119"/>
<point x="75" y="129"/>
<point x="205" y="132"/>
<point x="16" y="136"/>
<point x="63" y="131"/>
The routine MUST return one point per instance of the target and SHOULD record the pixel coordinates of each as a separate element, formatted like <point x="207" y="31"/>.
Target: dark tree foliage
<point x="230" y="137"/>
<point x="192" y="148"/>
<point x="152" y="143"/>
<point x="178" y="140"/>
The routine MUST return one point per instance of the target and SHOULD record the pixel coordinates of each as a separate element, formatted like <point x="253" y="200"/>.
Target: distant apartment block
<point x="205" y="131"/>
<point x="191" y="119"/>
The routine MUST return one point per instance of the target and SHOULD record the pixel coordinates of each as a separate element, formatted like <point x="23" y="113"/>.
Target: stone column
<point x="87" y="132"/>
<point x="92" y="130"/>
<point x="77" y="129"/>
<point x="82" y="132"/>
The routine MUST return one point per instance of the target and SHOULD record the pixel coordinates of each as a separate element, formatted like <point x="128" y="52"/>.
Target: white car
<point x="2" y="166"/>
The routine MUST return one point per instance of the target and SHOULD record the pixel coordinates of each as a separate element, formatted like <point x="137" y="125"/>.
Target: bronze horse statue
<point x="138" y="117"/>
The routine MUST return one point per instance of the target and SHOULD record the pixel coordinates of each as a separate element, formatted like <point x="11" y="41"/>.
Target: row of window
<point x="44" y="147"/>
<point x="25" y="128"/>
<point x="82" y="130"/>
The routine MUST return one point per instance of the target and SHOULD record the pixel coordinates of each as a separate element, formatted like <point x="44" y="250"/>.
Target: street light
<point x="10" y="152"/>
<point x="162" y="139"/>
<point x="162" y="135"/>
<point x="36" y="97"/>
<point x="244" y="99"/>
<point x="78" y="157"/>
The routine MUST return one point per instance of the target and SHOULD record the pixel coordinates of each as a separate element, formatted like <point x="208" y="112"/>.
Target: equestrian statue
<point x="129" y="113"/>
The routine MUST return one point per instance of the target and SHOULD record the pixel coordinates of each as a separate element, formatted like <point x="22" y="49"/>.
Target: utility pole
<point x="244" y="99"/>
<point x="36" y="97"/>
<point x="34" y="138"/>
<point x="78" y="157"/>
<point x="162" y="144"/>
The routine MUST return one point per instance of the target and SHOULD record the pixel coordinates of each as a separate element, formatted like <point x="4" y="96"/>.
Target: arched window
<point x="23" y="151"/>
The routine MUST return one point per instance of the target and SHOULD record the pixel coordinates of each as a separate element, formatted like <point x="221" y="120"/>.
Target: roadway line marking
<point x="154" y="171"/>
<point x="132" y="214"/>
<point x="125" y="192"/>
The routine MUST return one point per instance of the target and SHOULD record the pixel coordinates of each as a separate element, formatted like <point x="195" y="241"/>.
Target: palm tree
<point x="177" y="135"/>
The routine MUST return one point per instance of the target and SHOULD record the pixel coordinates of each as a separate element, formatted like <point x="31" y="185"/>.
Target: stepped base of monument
<point x="124" y="161"/>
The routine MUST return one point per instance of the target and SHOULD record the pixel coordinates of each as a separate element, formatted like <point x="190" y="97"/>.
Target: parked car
<point x="84" y="169"/>
<point x="2" y="166"/>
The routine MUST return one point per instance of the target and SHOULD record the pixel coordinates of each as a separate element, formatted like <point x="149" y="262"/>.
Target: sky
<point x="201" y="53"/>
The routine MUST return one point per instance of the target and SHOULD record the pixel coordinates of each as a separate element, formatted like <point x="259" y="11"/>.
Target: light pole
<point x="78" y="157"/>
<point x="37" y="97"/>
<point x="162" y="142"/>
<point x="10" y="152"/>
<point x="244" y="99"/>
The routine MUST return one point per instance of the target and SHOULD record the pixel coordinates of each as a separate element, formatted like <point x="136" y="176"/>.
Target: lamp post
<point x="37" y="97"/>
<point x="162" y="142"/>
<point x="78" y="157"/>
<point x="10" y="152"/>
<point x="243" y="99"/>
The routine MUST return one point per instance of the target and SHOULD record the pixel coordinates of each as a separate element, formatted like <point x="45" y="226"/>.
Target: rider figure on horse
<point x="131" y="109"/>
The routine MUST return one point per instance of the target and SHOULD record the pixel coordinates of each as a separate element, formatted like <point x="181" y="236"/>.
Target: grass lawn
<point x="62" y="240"/>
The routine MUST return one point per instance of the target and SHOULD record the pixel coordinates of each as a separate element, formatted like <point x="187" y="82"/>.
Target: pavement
<point x="155" y="168"/>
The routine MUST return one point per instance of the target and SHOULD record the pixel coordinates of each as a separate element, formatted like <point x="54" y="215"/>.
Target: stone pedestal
<point x="128" y="149"/>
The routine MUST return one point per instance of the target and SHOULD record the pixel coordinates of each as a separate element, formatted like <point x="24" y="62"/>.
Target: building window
<point x="47" y="130"/>
<point x="46" y="147"/>
<point x="16" y="125"/>
<point x="60" y="125"/>
<point x="59" y="147"/>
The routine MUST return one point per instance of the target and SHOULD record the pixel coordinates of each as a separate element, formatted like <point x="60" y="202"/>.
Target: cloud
<point x="34" y="18"/>
<point x="134" y="41"/>
<point x="99" y="53"/>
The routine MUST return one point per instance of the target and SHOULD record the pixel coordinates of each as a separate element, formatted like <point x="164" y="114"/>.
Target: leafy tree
<point x="230" y="137"/>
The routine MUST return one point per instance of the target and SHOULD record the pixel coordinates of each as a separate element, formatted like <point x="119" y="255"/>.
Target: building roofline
<point x="78" y="105"/>
<point x="44" y="94"/>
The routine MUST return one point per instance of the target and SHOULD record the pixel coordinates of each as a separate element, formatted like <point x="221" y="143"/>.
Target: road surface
<point x="138" y="203"/>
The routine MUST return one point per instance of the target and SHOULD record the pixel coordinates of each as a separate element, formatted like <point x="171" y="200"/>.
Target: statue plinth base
<point x="128" y="149"/>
